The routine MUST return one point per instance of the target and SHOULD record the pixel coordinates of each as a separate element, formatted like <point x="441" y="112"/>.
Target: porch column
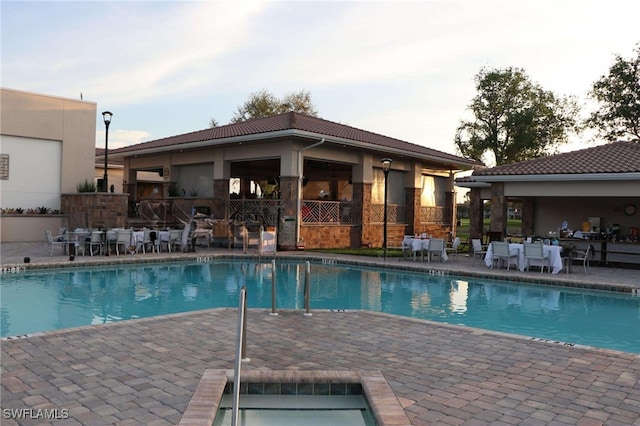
<point x="413" y="199"/>
<point x="476" y="213"/>
<point x="528" y="224"/>
<point x="289" y="213"/>
<point x="498" y="209"/>
<point x="221" y="177"/>
<point x="362" y="178"/>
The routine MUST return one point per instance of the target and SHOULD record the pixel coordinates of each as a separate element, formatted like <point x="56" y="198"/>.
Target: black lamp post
<point x="386" y="165"/>
<point x="107" y="120"/>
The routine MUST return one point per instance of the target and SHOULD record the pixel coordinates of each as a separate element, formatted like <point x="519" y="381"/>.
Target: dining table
<point x="554" y="252"/>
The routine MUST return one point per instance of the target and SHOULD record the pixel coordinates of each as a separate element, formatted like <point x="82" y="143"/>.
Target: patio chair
<point x="453" y="248"/>
<point x="436" y="248"/>
<point x="535" y="251"/>
<point x="150" y="237"/>
<point x="584" y="256"/>
<point x="479" y="250"/>
<point x="95" y="239"/>
<point x="500" y="251"/>
<point x="58" y="240"/>
<point x="175" y="239"/>
<point x="123" y="238"/>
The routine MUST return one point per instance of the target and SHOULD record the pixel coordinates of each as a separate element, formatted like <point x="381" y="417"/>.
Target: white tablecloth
<point x="554" y="253"/>
<point x="417" y="245"/>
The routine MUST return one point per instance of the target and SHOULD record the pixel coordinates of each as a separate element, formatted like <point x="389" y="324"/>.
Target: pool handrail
<point x="241" y="352"/>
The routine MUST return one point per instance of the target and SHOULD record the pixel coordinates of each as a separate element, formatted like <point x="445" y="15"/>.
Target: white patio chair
<point x="175" y="239"/>
<point x="479" y="251"/>
<point x="123" y="238"/>
<point x="58" y="241"/>
<point x="453" y="248"/>
<point x="500" y="251"/>
<point x="436" y="248"/>
<point x="95" y="239"/>
<point x="150" y="237"/>
<point x="535" y="251"/>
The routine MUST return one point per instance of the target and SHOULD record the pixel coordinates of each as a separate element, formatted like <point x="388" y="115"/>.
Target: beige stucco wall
<point x="55" y="119"/>
<point x="48" y="139"/>
<point x="585" y="188"/>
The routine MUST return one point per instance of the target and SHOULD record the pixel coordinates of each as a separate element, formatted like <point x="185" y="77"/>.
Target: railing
<point x="327" y="212"/>
<point x="433" y="214"/>
<point x="264" y="211"/>
<point x="164" y="211"/>
<point x="395" y="213"/>
<point x="241" y="349"/>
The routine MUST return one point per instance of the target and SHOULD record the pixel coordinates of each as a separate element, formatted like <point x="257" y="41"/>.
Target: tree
<point x="515" y="119"/>
<point x="213" y="123"/>
<point x="618" y="96"/>
<point x="265" y="104"/>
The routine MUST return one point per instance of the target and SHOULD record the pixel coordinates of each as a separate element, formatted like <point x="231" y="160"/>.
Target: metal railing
<point x="264" y="211"/>
<point x="241" y="349"/>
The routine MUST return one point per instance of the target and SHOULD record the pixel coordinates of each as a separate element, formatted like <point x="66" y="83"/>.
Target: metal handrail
<point x="307" y="289"/>
<point x="241" y="349"/>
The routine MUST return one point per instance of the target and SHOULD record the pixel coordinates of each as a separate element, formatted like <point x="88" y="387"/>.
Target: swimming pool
<point x="35" y="301"/>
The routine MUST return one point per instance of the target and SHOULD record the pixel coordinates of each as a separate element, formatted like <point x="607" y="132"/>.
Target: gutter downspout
<point x="299" y="206"/>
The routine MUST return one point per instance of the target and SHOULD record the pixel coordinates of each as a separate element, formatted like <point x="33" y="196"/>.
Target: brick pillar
<point x="220" y="208"/>
<point x="412" y="203"/>
<point x="498" y="209"/>
<point x="362" y="232"/>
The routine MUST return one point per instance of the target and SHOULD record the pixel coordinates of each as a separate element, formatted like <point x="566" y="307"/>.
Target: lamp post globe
<point x="106" y="116"/>
<point x="386" y="166"/>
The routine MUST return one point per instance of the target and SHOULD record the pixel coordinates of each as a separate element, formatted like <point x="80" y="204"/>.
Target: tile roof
<point x="616" y="157"/>
<point x="100" y="153"/>
<point x="293" y="121"/>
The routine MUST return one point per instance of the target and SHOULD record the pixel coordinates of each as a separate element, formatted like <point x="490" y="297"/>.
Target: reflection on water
<point x="69" y="298"/>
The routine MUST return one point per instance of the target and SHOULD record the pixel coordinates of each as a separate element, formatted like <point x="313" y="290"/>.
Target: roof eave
<point x="560" y="177"/>
<point x="295" y="133"/>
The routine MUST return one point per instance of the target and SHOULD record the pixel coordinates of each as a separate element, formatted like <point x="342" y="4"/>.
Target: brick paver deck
<point x="146" y="371"/>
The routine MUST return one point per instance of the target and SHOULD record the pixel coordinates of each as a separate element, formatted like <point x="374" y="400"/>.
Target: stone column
<point x="220" y="208"/>
<point x="528" y="224"/>
<point x="476" y="213"/>
<point x="498" y="209"/>
<point x="412" y="207"/>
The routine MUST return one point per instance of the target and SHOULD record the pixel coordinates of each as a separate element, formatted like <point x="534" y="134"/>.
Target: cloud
<point x="121" y="138"/>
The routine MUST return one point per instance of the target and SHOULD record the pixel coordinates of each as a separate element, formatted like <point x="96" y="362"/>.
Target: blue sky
<point x="402" y="69"/>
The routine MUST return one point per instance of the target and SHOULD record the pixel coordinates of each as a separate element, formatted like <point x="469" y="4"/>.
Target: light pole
<point x="107" y="120"/>
<point x="386" y="165"/>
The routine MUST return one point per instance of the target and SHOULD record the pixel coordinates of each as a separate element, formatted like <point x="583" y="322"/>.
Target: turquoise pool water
<point x="62" y="298"/>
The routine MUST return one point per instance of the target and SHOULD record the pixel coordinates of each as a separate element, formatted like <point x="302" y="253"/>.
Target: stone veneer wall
<point x="95" y="209"/>
<point x="335" y="236"/>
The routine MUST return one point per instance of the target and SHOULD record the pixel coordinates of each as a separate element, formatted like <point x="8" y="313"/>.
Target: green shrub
<point x="87" y="186"/>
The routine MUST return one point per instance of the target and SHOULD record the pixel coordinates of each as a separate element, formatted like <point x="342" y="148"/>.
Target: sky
<point x="404" y="69"/>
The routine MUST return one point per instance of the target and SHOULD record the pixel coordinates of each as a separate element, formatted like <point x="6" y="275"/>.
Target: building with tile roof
<point x="318" y="182"/>
<point x="600" y="182"/>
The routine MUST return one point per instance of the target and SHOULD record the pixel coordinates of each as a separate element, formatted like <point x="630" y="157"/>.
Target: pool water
<point x="35" y="301"/>
<point x="271" y="410"/>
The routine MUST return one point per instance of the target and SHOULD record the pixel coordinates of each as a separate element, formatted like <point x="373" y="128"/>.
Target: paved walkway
<point x="145" y="371"/>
